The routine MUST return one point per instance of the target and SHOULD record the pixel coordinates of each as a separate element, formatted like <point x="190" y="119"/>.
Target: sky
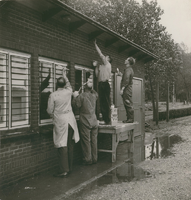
<point x="177" y="19"/>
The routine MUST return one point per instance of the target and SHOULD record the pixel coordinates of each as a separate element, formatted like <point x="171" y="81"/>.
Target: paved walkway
<point x="46" y="187"/>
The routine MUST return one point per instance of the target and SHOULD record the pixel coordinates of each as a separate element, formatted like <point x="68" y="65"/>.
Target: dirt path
<point x="170" y="178"/>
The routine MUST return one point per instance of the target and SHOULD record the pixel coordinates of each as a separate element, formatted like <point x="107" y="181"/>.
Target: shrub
<point x="175" y="113"/>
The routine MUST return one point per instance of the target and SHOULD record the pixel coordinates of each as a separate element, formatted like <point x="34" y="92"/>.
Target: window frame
<point x="53" y="63"/>
<point x="83" y="69"/>
<point x="9" y="123"/>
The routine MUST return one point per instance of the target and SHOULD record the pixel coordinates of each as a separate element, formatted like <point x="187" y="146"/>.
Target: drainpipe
<point x="167" y="103"/>
<point x="157" y="103"/>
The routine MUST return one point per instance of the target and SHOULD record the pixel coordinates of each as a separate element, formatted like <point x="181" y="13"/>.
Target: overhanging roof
<point x="74" y="20"/>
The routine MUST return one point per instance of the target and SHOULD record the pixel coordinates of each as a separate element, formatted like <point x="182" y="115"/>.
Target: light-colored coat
<point x="59" y="107"/>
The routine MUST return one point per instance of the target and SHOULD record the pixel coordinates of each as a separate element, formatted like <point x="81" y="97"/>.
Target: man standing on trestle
<point x="126" y="89"/>
<point x="103" y="74"/>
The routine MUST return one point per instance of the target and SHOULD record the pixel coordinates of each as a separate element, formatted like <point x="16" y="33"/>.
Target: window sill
<point x="25" y="132"/>
<point x="16" y="134"/>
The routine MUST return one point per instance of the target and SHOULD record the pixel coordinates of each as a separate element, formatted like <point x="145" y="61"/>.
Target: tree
<point x="183" y="84"/>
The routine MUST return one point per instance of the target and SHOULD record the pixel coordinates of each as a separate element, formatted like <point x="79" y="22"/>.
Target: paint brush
<point x="82" y="86"/>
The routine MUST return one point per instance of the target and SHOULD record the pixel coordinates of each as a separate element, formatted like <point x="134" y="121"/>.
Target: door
<point x="138" y="105"/>
<point x="139" y="116"/>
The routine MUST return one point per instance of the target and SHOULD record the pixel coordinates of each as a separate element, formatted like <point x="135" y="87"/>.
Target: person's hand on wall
<point x="64" y="72"/>
<point x="75" y="94"/>
<point x="121" y="91"/>
<point x="95" y="63"/>
<point x="118" y="72"/>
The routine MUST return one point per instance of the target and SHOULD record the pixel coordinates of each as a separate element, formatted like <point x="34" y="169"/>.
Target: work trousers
<point x="105" y="101"/>
<point x="65" y="154"/>
<point x="128" y="104"/>
<point x="88" y="140"/>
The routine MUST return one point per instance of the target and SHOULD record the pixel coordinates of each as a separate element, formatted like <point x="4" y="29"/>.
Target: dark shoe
<point x="61" y="175"/>
<point x="101" y="123"/>
<point x="128" y="121"/>
<point x="87" y="163"/>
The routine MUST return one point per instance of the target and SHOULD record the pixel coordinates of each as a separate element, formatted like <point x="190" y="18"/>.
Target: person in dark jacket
<point x="126" y="89"/>
<point x="88" y="124"/>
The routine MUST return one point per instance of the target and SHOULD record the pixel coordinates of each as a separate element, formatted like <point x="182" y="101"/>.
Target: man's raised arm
<point x="65" y="77"/>
<point x="100" y="53"/>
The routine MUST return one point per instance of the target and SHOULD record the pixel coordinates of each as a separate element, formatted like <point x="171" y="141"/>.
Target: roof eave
<point x="76" y="13"/>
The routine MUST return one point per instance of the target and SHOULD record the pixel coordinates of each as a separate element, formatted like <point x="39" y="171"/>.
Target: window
<point x="14" y="89"/>
<point x="49" y="71"/>
<point x="81" y="76"/>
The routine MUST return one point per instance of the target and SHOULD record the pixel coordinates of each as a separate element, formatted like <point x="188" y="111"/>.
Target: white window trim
<point x="15" y="53"/>
<point x="10" y="123"/>
<point x="56" y="62"/>
<point x="80" y="67"/>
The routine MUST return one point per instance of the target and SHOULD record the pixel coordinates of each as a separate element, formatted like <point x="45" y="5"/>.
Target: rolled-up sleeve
<point x="68" y="85"/>
<point x="78" y="101"/>
<point x="103" y="58"/>
<point x="50" y="108"/>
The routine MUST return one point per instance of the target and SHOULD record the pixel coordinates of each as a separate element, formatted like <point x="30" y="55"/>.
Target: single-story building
<point x="37" y="39"/>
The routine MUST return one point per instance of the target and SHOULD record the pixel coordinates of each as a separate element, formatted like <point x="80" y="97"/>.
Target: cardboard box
<point x="114" y="116"/>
